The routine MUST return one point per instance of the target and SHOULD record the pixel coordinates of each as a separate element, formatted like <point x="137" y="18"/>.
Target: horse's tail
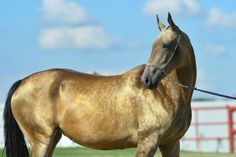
<point x="14" y="139"/>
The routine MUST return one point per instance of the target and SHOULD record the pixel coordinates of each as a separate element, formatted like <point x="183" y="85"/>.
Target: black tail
<point x="14" y="139"/>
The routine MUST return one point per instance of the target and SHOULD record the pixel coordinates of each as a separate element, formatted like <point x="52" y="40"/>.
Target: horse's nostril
<point x="147" y="80"/>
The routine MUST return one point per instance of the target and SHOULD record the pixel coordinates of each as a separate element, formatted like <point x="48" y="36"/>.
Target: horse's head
<point x="165" y="56"/>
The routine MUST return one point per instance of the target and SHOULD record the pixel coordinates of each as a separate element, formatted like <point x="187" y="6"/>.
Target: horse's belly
<point x="101" y="139"/>
<point x="100" y="129"/>
<point x="108" y="144"/>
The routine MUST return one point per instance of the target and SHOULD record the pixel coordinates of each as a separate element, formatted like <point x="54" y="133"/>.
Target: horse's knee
<point x="170" y="150"/>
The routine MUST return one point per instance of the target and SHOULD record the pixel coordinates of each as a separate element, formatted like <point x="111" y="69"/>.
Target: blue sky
<point x="111" y="37"/>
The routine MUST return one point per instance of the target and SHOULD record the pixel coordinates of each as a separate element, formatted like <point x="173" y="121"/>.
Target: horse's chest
<point x="178" y="127"/>
<point x="154" y="117"/>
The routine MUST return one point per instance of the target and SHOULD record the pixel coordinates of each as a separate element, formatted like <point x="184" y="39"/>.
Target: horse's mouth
<point x="151" y="77"/>
<point x="149" y="82"/>
<point x="149" y="85"/>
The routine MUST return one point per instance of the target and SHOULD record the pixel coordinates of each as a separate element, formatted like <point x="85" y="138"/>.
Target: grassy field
<point x="85" y="152"/>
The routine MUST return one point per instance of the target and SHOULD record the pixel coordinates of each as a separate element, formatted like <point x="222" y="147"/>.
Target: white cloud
<point x="219" y="18"/>
<point x="84" y="37"/>
<point x="72" y="28"/>
<point x="177" y="7"/>
<point x="66" y="12"/>
<point x="216" y="50"/>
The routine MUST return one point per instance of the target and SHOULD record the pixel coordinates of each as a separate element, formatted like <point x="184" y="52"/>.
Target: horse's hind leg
<point x="54" y="141"/>
<point x="46" y="145"/>
<point x="171" y="150"/>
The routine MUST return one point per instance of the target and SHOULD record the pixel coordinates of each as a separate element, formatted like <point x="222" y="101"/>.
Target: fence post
<point x="230" y="129"/>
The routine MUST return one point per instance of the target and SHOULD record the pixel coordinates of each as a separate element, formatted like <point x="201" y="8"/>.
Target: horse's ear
<point x="160" y="25"/>
<point x="171" y="22"/>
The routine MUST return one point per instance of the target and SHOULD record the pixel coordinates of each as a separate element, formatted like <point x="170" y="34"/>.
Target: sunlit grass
<point x="86" y="152"/>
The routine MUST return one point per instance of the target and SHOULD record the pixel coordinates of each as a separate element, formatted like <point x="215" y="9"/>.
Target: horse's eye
<point x="166" y="46"/>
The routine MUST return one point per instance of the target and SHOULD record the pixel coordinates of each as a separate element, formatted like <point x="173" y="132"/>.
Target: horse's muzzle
<point x="151" y="77"/>
<point x="148" y="83"/>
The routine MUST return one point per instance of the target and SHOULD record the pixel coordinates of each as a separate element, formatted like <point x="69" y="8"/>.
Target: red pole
<point x="230" y="130"/>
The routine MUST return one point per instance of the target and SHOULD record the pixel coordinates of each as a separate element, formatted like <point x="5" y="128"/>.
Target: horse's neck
<point x="185" y="75"/>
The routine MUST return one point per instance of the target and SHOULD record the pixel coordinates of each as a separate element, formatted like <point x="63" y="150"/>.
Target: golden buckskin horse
<point x="140" y="108"/>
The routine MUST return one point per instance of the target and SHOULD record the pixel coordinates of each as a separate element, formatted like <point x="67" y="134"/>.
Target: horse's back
<point x="40" y="93"/>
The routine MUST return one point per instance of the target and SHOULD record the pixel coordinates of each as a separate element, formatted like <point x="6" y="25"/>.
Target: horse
<point x="139" y="108"/>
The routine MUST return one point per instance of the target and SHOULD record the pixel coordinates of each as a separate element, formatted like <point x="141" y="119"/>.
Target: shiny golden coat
<point x="106" y="112"/>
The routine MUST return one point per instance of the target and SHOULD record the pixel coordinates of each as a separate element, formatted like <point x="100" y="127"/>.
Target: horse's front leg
<point x="147" y="145"/>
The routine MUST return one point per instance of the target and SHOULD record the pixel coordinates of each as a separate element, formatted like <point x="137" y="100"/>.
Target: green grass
<point x="85" y="152"/>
